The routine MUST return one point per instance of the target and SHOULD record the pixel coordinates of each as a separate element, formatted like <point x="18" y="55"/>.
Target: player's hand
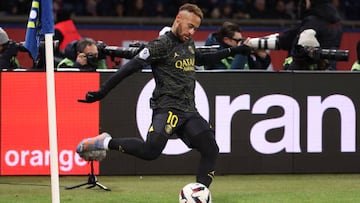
<point x="242" y="49"/>
<point x="91" y="97"/>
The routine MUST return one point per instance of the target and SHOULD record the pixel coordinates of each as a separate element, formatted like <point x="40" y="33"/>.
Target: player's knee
<point x="153" y="146"/>
<point x="206" y="144"/>
<point x="151" y="151"/>
<point x="213" y="149"/>
<point x="151" y="155"/>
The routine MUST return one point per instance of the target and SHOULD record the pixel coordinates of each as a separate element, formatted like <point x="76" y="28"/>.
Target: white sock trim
<point x="106" y="143"/>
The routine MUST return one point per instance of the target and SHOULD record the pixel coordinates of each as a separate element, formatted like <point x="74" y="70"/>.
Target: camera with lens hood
<point x="329" y="54"/>
<point x="268" y="42"/>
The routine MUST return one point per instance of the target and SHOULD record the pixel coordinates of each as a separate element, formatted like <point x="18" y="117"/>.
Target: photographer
<point x="229" y="35"/>
<point x="84" y="55"/>
<point x="8" y="52"/>
<point x="320" y="26"/>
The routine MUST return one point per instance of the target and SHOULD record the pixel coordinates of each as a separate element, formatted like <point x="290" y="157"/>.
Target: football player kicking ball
<point x="173" y="57"/>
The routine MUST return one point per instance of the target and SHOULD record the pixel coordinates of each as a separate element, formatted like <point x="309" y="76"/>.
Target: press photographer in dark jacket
<point x="320" y="27"/>
<point x="8" y="52"/>
<point x="229" y="35"/>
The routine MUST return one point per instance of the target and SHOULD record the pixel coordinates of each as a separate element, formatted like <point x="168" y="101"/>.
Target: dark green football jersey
<point x="173" y="68"/>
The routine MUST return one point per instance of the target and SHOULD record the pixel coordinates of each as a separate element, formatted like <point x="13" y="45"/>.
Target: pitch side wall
<point x="265" y="122"/>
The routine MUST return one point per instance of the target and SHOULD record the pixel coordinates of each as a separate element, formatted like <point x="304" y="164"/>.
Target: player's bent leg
<point x="205" y="143"/>
<point x="93" y="144"/>
<point x="146" y="150"/>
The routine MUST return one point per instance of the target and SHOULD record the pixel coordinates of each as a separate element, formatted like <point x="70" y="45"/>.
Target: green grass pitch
<point x="320" y="188"/>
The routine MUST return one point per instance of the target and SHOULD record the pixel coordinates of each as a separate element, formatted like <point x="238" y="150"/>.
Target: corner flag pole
<point x="41" y="22"/>
<point x="50" y="84"/>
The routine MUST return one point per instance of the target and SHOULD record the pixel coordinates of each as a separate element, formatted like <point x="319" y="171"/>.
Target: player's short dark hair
<point x="192" y="8"/>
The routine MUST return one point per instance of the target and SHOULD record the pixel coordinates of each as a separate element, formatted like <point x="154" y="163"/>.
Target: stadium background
<point x="121" y="31"/>
<point x="24" y="141"/>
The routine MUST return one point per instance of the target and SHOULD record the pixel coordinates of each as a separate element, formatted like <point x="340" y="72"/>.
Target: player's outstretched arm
<point x="214" y="57"/>
<point x="129" y="68"/>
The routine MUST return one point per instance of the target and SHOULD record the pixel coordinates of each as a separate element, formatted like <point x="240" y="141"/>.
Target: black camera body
<point x="92" y="60"/>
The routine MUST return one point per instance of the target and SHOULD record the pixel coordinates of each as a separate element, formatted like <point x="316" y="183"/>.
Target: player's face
<point x="187" y="24"/>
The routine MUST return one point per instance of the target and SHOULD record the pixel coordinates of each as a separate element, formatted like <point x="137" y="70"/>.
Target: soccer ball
<point x="195" y="193"/>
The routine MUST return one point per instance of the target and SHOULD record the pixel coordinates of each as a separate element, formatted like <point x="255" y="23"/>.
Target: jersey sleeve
<point x="154" y="51"/>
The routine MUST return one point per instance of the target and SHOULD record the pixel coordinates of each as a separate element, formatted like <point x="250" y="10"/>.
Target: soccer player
<point x="173" y="57"/>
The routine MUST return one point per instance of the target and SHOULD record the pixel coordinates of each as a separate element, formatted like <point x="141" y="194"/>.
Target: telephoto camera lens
<point x="330" y="54"/>
<point x="271" y="43"/>
<point x="334" y="54"/>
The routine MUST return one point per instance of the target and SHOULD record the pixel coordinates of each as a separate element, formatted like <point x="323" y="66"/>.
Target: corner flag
<point x="41" y="22"/>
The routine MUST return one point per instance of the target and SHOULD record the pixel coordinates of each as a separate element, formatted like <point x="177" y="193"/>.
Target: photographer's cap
<point x="307" y="38"/>
<point x="4" y="38"/>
